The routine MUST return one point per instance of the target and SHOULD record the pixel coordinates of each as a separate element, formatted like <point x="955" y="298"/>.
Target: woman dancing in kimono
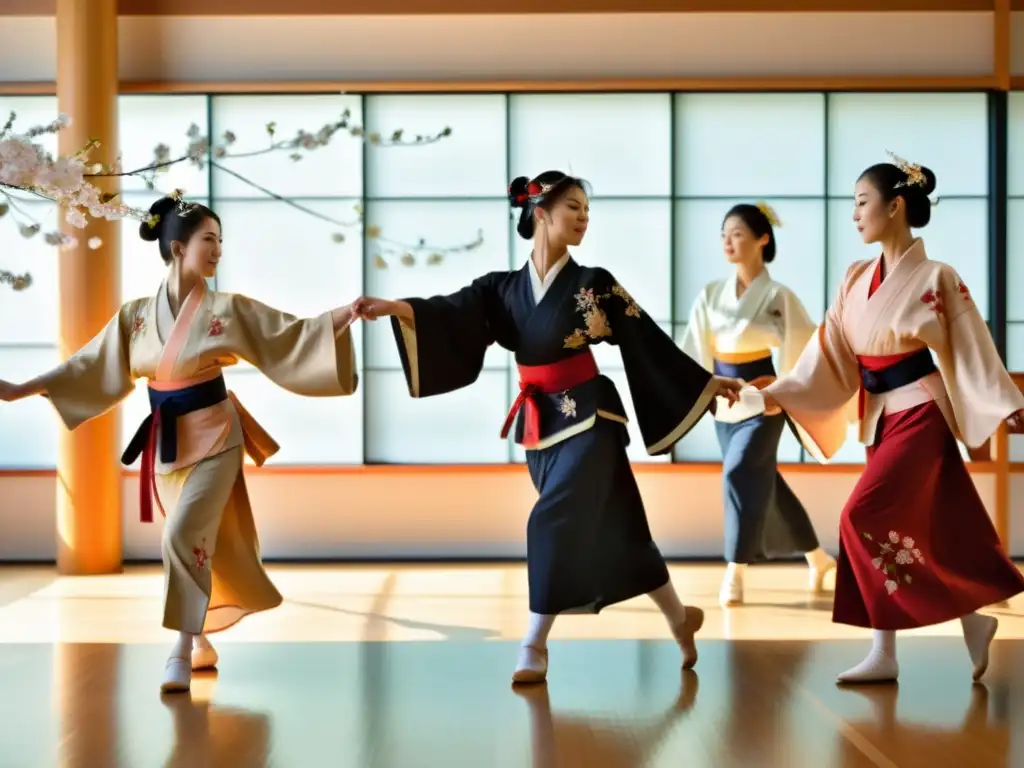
<point x="916" y="546"/>
<point x="192" y="442"/>
<point x="734" y="325"/>
<point x="588" y="541"/>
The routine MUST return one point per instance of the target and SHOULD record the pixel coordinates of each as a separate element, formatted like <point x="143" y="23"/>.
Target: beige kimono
<point x="202" y="491"/>
<point x="922" y="303"/>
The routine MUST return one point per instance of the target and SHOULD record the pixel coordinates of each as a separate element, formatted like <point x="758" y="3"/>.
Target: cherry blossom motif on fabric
<point x="961" y="287"/>
<point x="201" y="555"/>
<point x="138" y="325"/>
<point x="216" y="326"/>
<point x="567" y="406"/>
<point x="589" y="304"/>
<point x="934" y="300"/>
<point x="894" y="558"/>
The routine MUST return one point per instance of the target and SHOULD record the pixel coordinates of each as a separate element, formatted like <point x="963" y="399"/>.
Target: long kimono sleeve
<point x="981" y="392"/>
<point x="797" y="330"/>
<point x="303" y="355"/>
<point x="670" y="390"/>
<point x="442" y="347"/>
<point x="98" y="376"/>
<point x="821" y="387"/>
<point x="696" y="341"/>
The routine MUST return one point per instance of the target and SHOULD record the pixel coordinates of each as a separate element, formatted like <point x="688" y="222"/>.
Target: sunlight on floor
<point x="429" y="602"/>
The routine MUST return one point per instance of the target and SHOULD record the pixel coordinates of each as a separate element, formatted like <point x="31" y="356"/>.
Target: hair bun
<point x="929" y="181"/>
<point x="151" y="231"/>
<point x="517" y="192"/>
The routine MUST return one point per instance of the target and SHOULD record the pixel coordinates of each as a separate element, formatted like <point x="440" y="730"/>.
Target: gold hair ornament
<point x="769" y="213"/>
<point x="915" y="176"/>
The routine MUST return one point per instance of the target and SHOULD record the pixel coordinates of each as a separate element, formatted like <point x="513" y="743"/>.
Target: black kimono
<point x="588" y="541"/>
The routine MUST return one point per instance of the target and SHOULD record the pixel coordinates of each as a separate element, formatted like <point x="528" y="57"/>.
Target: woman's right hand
<point x="370" y="308"/>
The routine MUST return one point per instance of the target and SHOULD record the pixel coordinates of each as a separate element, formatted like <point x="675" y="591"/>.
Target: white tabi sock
<point x="731" y="593"/>
<point x="880" y="665"/>
<point x="532" y="666"/>
<point x="538" y="630"/>
<point x="979" y="631"/>
<point x="182" y="648"/>
<point x="178" y="670"/>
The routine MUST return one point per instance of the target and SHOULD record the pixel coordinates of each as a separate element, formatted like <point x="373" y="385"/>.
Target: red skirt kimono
<point x="916" y="545"/>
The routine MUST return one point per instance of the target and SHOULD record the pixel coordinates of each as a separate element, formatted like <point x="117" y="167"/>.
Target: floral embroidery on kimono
<point x="962" y="289"/>
<point x="893" y="559"/>
<point x="568" y="407"/>
<point x="138" y="325"/>
<point x="216" y="326"/>
<point x="632" y="308"/>
<point x="201" y="555"/>
<point x="589" y="303"/>
<point x="934" y="300"/>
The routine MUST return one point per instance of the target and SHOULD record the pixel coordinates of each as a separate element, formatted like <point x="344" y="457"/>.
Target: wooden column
<point x="88" y="472"/>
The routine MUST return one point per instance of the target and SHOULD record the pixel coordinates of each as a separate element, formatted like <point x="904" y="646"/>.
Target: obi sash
<point x="546" y="379"/>
<point x="747" y="370"/>
<point x="885" y="373"/>
<point x="166" y="407"/>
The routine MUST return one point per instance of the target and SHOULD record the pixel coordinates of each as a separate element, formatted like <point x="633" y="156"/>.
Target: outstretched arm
<point x="91" y="381"/>
<point x="312" y="356"/>
<point x="442" y="340"/>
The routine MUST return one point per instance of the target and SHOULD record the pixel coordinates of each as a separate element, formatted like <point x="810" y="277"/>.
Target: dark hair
<point x="892" y="182"/>
<point x="176" y="220"/>
<point x="542" y="192"/>
<point x="758" y="223"/>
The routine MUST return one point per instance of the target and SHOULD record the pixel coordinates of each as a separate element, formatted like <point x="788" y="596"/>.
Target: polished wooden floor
<point x="383" y="667"/>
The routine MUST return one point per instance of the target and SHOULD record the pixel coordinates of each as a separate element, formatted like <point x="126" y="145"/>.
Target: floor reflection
<point x="208" y="736"/>
<point x="575" y="739"/>
<point x="607" y="704"/>
<point x="981" y="739"/>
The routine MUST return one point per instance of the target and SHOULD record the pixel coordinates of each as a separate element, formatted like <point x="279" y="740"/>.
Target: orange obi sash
<point x="546" y="379"/>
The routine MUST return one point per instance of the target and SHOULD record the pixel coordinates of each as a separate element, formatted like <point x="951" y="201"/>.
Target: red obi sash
<point x="546" y="379"/>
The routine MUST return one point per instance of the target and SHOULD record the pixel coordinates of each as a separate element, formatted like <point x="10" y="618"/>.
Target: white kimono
<point x="768" y="316"/>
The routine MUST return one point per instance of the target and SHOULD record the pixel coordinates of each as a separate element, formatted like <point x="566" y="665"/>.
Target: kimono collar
<point x="914" y="255"/>
<point x="761" y="281"/>
<point x="539" y="285"/>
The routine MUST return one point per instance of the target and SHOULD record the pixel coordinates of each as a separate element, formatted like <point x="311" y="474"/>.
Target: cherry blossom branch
<point x="67" y="181"/>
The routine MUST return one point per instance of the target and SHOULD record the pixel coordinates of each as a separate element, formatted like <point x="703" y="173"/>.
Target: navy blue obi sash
<point x="898" y="374"/>
<point x="165" y="408"/>
<point x="747" y="371"/>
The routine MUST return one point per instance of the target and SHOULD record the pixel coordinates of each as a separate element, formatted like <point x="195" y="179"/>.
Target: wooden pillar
<point x="88" y="472"/>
